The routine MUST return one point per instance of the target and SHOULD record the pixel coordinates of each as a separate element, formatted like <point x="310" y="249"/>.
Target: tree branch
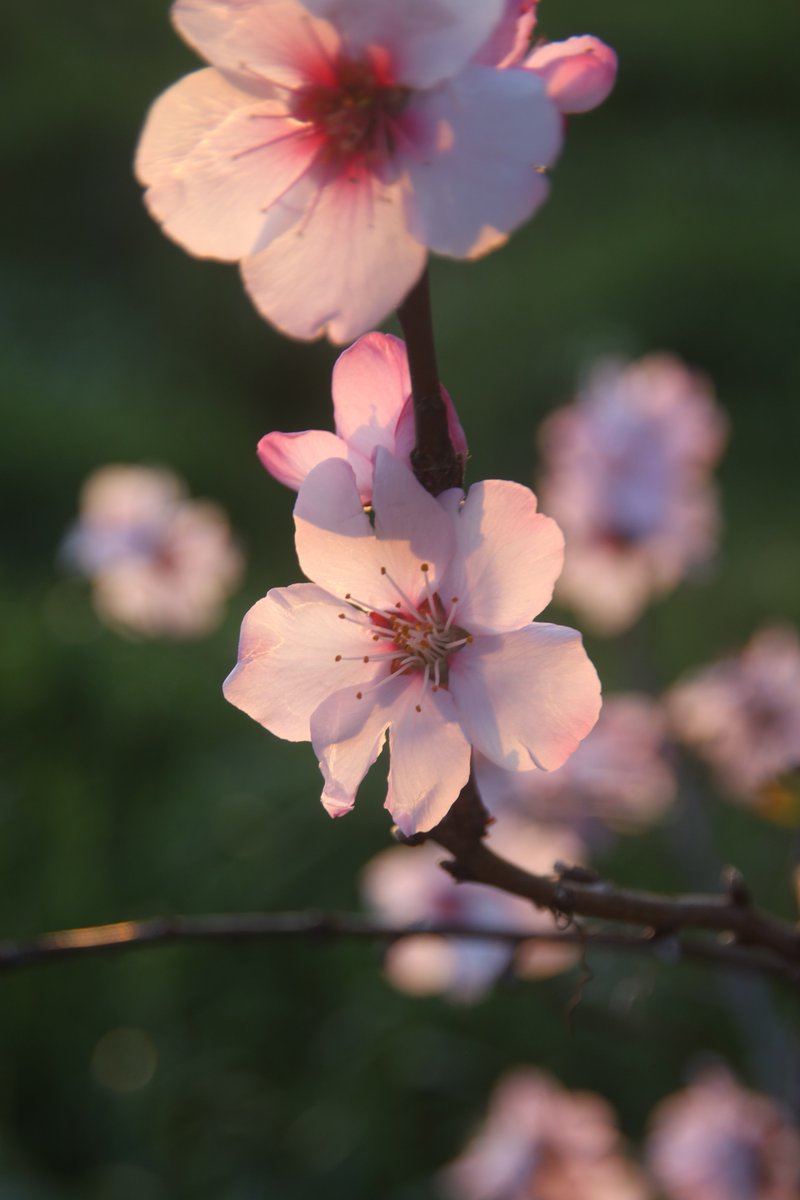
<point x="434" y="459"/>
<point x="238" y="927"/>
<point x="578" y="892"/>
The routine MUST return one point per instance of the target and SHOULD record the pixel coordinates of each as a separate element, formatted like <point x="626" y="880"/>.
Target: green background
<point x="129" y="788"/>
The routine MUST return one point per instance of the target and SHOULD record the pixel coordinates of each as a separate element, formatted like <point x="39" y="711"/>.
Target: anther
<point x="342" y="617"/>
<point x="424" y="567"/>
<point x="366" y="658"/>
<point x="418" y="707"/>
<point x="338" y="658"/>
<point x="359" y="695"/>
<point x="383" y="570"/>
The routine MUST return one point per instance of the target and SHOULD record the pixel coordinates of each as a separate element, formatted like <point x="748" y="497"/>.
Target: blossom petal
<point x="339" y="550"/>
<point x="474" y="170"/>
<point x="526" y="698"/>
<point x="213" y="200"/>
<point x="428" y="40"/>
<point x="579" y="73"/>
<point x="511" y="38"/>
<point x="430" y="759"/>
<point x="290" y="456"/>
<point x="277" y="40"/>
<point x="507" y="560"/>
<point x="344" y="262"/>
<point x="371" y="383"/>
<point x="287" y="659"/>
<point x="348" y="730"/>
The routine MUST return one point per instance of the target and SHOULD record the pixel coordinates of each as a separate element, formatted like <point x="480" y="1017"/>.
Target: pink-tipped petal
<point x="370" y="386"/>
<point x="511" y="38"/>
<point x="348" y="731"/>
<point x="579" y="73"/>
<point x="507" y="560"/>
<point x="474" y="175"/>
<point x="341" y="262"/>
<point x="526" y="698"/>
<point x="290" y="456"/>
<point x="427" y="40"/>
<point x="214" y="200"/>
<point x="287" y="659"/>
<point x="275" y="40"/>
<point x="430" y="759"/>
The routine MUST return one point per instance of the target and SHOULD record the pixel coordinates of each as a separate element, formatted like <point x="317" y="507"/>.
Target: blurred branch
<point x="578" y="892"/>
<point x="434" y="459"/>
<point x="239" y="927"/>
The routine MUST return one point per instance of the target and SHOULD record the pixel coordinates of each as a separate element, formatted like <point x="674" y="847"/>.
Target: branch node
<point x="738" y="892"/>
<point x="574" y="873"/>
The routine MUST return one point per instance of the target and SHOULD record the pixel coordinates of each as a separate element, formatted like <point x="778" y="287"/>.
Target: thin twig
<point x="230" y="928"/>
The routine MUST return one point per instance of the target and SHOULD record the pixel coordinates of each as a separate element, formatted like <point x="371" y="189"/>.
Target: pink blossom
<point x="372" y="407"/>
<point x="619" y="775"/>
<point x="627" y="476"/>
<point x="578" y="73"/>
<point x="161" y="565"/>
<point x="542" y="1141"/>
<point x="718" y="1141"/>
<point x="332" y="143"/>
<point x="408" y="887"/>
<point x="743" y="714"/>
<point x="420" y="625"/>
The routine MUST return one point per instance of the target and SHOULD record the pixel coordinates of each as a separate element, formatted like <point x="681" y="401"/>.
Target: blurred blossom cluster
<point x="713" y="1141"/>
<point x="332" y="143"/>
<point x="160" y="564"/>
<point x="742" y="714"/>
<point x="541" y="1141"/>
<point x="409" y="887"/>
<point x="627" y="476"/>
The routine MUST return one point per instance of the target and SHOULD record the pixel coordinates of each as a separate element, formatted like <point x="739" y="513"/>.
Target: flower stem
<point x="434" y="459"/>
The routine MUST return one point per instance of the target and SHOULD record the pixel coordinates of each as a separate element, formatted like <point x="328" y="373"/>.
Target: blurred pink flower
<point x="718" y="1141"/>
<point x="332" y="143"/>
<point x="420" y="625"/>
<point x="542" y="1141"/>
<point x="372" y="407"/>
<point x="743" y="714"/>
<point x="626" y="475"/>
<point x="619" y="775"/>
<point x="408" y="887"/>
<point x="161" y="565"/>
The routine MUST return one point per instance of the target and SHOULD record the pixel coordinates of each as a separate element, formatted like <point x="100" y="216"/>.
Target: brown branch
<point x="238" y="927"/>
<point x="434" y="459"/>
<point x="581" y="893"/>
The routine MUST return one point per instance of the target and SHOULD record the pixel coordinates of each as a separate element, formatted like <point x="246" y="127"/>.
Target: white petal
<point x="216" y="199"/>
<point x="370" y="386"/>
<point x="430" y="758"/>
<point x="345" y="260"/>
<point x="508" y="558"/>
<point x="276" y="40"/>
<point x="287" y="659"/>
<point x="348" y="731"/>
<point x="427" y="40"/>
<point x="526" y="698"/>
<point x="474" y="172"/>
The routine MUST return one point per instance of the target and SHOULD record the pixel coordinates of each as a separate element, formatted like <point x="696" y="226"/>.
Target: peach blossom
<point x="161" y="565"/>
<point x="332" y="143"/>
<point x="420" y="625"/>
<point x="627" y="476"/>
<point x="742" y="714"/>
<point x="409" y="887"/>
<point x="618" y="777"/>
<point x="542" y="1141"/>
<point x="719" y="1141"/>
<point x="372" y="407"/>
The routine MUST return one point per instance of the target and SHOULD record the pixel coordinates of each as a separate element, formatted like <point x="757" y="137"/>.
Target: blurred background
<point x="128" y="788"/>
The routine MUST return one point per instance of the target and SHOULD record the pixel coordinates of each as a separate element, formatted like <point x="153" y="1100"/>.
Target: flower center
<point x="355" y="113"/>
<point x="414" y="636"/>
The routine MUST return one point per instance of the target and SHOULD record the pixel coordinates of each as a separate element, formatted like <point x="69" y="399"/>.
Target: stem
<point x="434" y="459"/>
